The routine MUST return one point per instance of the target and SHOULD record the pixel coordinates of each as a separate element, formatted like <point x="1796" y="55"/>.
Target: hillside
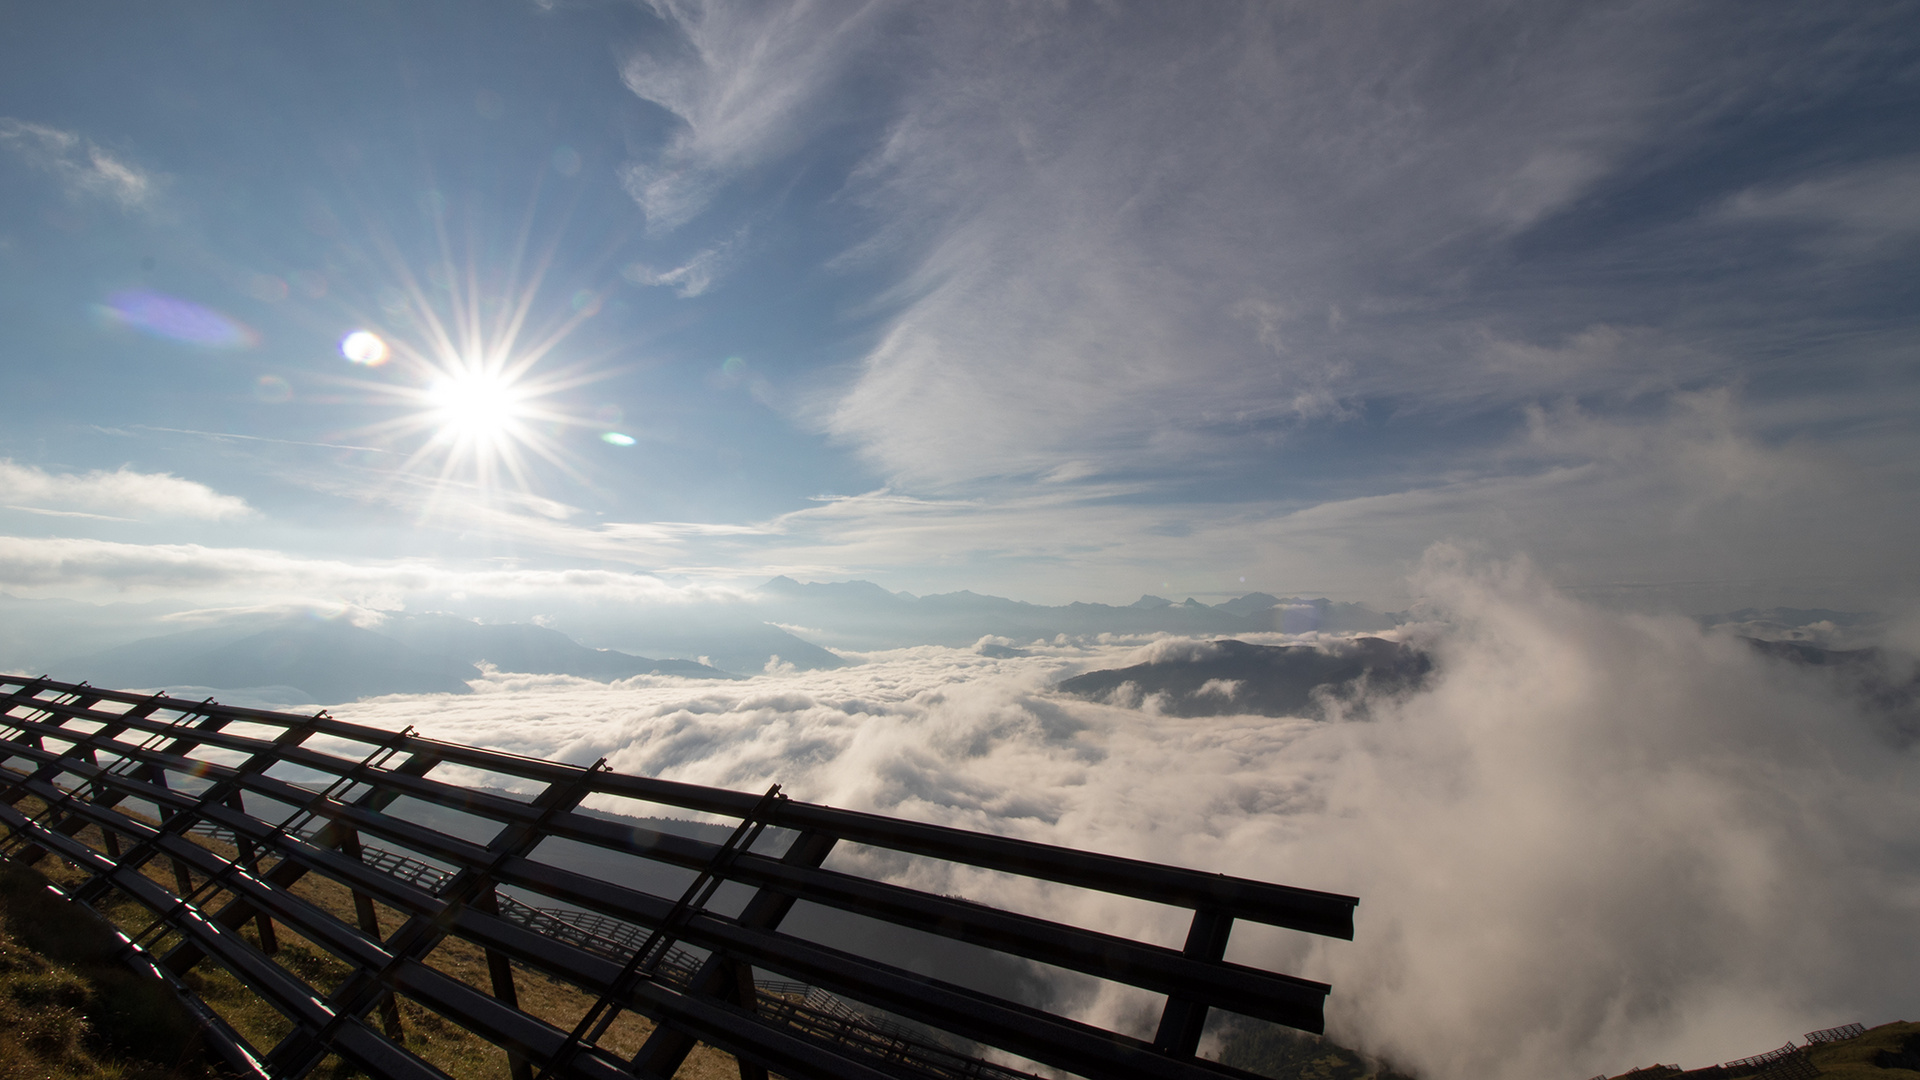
<point x="1887" y="1052"/>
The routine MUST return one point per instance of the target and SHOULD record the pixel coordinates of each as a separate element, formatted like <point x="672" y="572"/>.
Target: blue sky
<point x="1053" y="301"/>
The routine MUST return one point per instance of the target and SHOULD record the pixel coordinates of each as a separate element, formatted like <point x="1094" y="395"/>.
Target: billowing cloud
<point x="82" y="166"/>
<point x="120" y="492"/>
<point x="1596" y="841"/>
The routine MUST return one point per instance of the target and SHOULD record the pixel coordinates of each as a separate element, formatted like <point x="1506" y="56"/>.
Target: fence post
<point x="1182" y="1021"/>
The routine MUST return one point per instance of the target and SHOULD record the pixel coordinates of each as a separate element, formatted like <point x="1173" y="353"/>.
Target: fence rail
<point x="1761" y="1061"/>
<point x="776" y="1001"/>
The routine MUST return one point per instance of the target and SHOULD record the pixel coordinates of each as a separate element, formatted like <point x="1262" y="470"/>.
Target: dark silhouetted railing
<point x="207" y="816"/>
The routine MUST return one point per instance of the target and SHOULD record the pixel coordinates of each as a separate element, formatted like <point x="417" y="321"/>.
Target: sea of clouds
<point x="1596" y="840"/>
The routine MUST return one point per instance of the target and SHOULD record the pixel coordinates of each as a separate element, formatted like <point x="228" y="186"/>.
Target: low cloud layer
<point x="120" y="492"/>
<point x="1595" y="841"/>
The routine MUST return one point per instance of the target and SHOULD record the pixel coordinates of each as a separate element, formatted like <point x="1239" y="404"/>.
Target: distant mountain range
<point x="783" y="625"/>
<point x="331" y="661"/>
<point x="1230" y="677"/>
<point x="860" y="614"/>
<point x="532" y="649"/>
<point x="326" y="661"/>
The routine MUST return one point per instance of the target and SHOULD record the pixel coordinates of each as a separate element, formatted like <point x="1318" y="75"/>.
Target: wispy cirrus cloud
<point x="1147" y="243"/>
<point x="1856" y="209"/>
<point x="692" y="277"/>
<point x="83" y="167"/>
<point x="744" y="86"/>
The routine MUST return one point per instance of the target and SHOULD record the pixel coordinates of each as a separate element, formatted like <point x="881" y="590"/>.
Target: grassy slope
<point x="1853" y="1059"/>
<point x="1849" y="1059"/>
<point x="1285" y="1054"/>
<point x="69" y="1009"/>
<point x="1290" y="1055"/>
<point x="447" y="1045"/>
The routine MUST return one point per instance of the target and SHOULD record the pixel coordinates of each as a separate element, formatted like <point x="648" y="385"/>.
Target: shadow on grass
<point x="69" y="1008"/>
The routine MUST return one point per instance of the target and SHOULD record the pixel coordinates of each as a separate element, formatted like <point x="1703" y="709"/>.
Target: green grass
<point x="1854" y="1059"/>
<point x="125" y="1027"/>
<point x="69" y="1008"/>
<point x="1285" y="1054"/>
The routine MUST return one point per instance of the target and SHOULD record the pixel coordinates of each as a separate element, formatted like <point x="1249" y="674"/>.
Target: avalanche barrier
<point x="208" y="816"/>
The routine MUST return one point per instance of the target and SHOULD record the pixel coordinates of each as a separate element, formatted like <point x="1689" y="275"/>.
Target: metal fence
<point x="128" y="787"/>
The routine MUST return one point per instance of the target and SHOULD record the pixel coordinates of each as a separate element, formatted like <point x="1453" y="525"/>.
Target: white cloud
<point x="1599" y="840"/>
<point x="1875" y="206"/>
<point x="742" y="84"/>
<point x="1155" y="245"/>
<point x="1127" y="244"/>
<point x="82" y="167"/>
<point x="692" y="277"/>
<point x="250" y="576"/>
<point x="123" y="490"/>
<point x="1131" y="255"/>
<point x="1689" y="507"/>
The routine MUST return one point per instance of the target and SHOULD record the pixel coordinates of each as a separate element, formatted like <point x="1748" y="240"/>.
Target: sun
<point x="477" y="407"/>
<point x="465" y="371"/>
<point x="484" y="403"/>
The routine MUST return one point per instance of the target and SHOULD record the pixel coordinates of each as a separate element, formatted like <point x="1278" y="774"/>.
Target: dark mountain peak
<point x="1229" y="676"/>
<point x="1800" y="652"/>
<point x="1887" y="683"/>
<point x="841" y="590"/>
<point x="1785" y="616"/>
<point x="1250" y="604"/>
<point x="1150" y="602"/>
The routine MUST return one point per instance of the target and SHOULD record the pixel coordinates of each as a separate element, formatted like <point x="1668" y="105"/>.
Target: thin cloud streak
<point x="81" y="166"/>
<point x="67" y="566"/>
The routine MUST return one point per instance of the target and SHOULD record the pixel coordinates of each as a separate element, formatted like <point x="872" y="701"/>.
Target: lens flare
<point x="159" y="315"/>
<point x="364" y="347"/>
<point x="614" y="438"/>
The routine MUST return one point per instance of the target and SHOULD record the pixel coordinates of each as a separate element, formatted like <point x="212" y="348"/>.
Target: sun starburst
<point x="479" y="397"/>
